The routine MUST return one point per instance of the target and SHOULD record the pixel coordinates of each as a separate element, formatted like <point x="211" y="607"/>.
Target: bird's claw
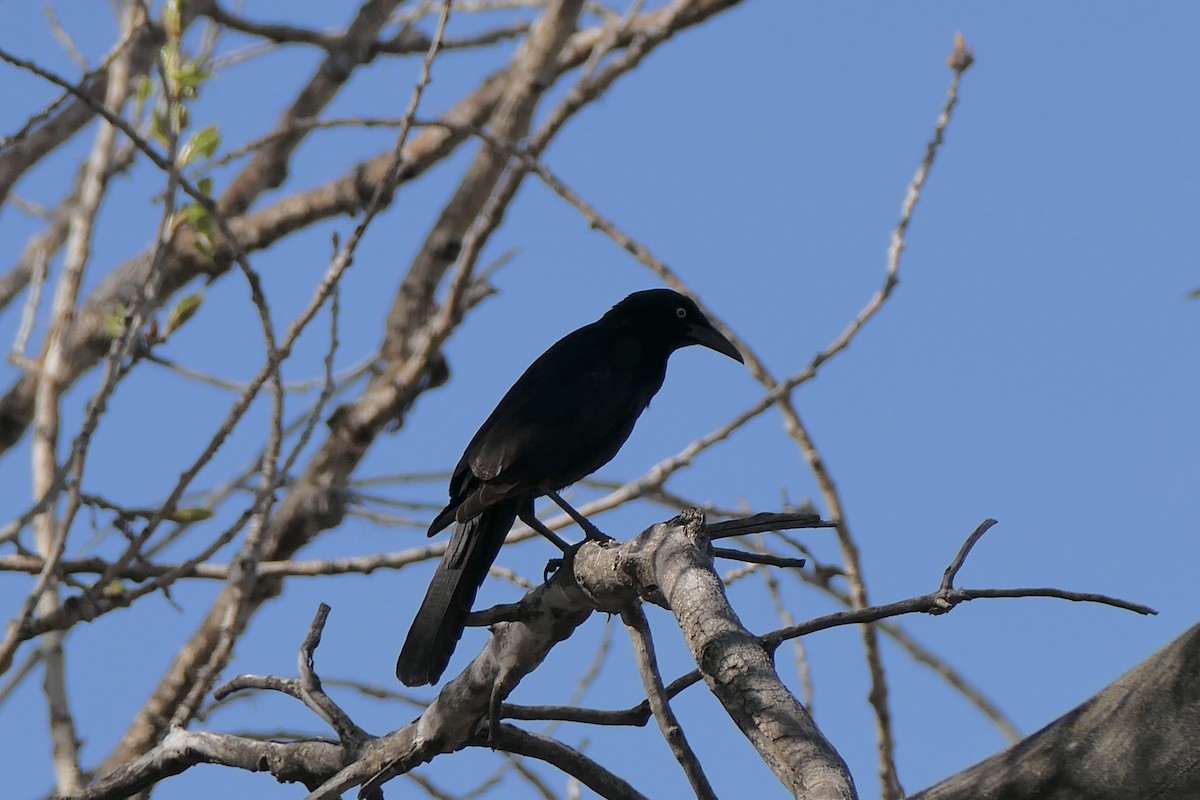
<point x="552" y="568"/>
<point x="594" y="534"/>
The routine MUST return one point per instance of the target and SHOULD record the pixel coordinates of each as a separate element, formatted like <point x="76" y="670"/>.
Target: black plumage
<point x="564" y="418"/>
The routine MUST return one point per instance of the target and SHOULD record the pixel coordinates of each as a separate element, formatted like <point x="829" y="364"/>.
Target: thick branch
<point x="668" y="563"/>
<point x="1134" y="739"/>
<point x="348" y="195"/>
<point x="453" y="719"/>
<point x="43" y="135"/>
<point x="305" y="762"/>
<point x="406" y="41"/>
<point x="534" y="745"/>
<point x="268" y="168"/>
<point x="671" y="563"/>
<point x="315" y="501"/>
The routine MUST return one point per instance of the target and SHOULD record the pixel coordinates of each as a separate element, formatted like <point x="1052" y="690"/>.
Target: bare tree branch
<point x="961" y="557"/>
<point x="568" y="759"/>
<point x="1134" y="738"/>
<point x="304" y="762"/>
<point x="348" y="195"/>
<point x="668" y="723"/>
<point x="65" y="117"/>
<point x="667" y="564"/>
<point x="251" y="542"/>
<point x="407" y="41"/>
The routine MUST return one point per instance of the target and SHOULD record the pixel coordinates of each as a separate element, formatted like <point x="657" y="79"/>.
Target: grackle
<point x="563" y="419"/>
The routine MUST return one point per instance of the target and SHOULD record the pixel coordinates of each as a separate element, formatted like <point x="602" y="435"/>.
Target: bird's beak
<point x="705" y="334"/>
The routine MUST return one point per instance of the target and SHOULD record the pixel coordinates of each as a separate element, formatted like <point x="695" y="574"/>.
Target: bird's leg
<point x="526" y="515"/>
<point x="589" y="530"/>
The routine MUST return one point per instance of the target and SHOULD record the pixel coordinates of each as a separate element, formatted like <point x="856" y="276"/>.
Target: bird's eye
<point x="681" y="312"/>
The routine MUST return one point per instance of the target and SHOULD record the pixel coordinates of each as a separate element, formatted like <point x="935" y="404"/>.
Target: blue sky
<point x="1037" y="363"/>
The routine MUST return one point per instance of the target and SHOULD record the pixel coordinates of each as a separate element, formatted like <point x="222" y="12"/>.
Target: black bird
<point x="563" y="419"/>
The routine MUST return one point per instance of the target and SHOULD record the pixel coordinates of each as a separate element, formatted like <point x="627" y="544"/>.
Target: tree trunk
<point x="1137" y="738"/>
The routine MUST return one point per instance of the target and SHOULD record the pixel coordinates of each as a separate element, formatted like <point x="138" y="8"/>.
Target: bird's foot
<point x="594" y="534"/>
<point x="590" y="531"/>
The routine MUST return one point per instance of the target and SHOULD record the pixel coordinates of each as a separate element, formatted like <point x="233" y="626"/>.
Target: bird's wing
<point x="567" y="415"/>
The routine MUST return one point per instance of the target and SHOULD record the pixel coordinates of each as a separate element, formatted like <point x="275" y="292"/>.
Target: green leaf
<point x="205" y="185"/>
<point x="169" y="53"/>
<point x="184" y="310"/>
<point x="190" y="514"/>
<point x="204" y="245"/>
<point x="160" y="128"/>
<point x="115" y="322"/>
<point x="203" y="143"/>
<point x="189" y="77"/>
<point x="196" y="216"/>
<point x="144" y="88"/>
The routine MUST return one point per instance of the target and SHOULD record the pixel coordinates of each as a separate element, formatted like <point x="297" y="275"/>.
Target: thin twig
<point x="572" y="762"/>
<point x="643" y="648"/>
<point x="955" y="565"/>
<point x="295" y="387"/>
<point x="803" y="670"/>
<point x="50" y="531"/>
<point x="310" y="686"/>
<point x="766" y="521"/>
<point x="270" y="369"/>
<point x="820" y="577"/>
<point x="238" y="601"/>
<point x="41" y="266"/>
<point x="933" y="603"/>
<point x="940" y="603"/>
<point x="18" y="674"/>
<point x="769" y="559"/>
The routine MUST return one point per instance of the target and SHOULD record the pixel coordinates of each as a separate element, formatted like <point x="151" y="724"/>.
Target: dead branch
<point x="669" y="564"/>
<point x="1134" y="738"/>
<point x="656" y="693"/>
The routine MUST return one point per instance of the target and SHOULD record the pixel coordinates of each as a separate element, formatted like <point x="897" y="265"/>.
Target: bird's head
<point x="672" y="319"/>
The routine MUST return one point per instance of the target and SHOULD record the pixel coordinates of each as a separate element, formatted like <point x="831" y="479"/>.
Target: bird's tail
<point x="439" y="623"/>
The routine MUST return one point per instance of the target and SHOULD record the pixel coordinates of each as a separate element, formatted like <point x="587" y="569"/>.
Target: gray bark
<point x="671" y="564"/>
<point x="1137" y="738"/>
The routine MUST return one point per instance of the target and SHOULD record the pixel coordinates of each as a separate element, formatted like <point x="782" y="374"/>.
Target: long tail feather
<point x="439" y="623"/>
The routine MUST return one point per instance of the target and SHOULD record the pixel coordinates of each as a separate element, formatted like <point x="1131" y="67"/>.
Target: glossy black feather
<point x="443" y="614"/>
<point x="564" y="418"/>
